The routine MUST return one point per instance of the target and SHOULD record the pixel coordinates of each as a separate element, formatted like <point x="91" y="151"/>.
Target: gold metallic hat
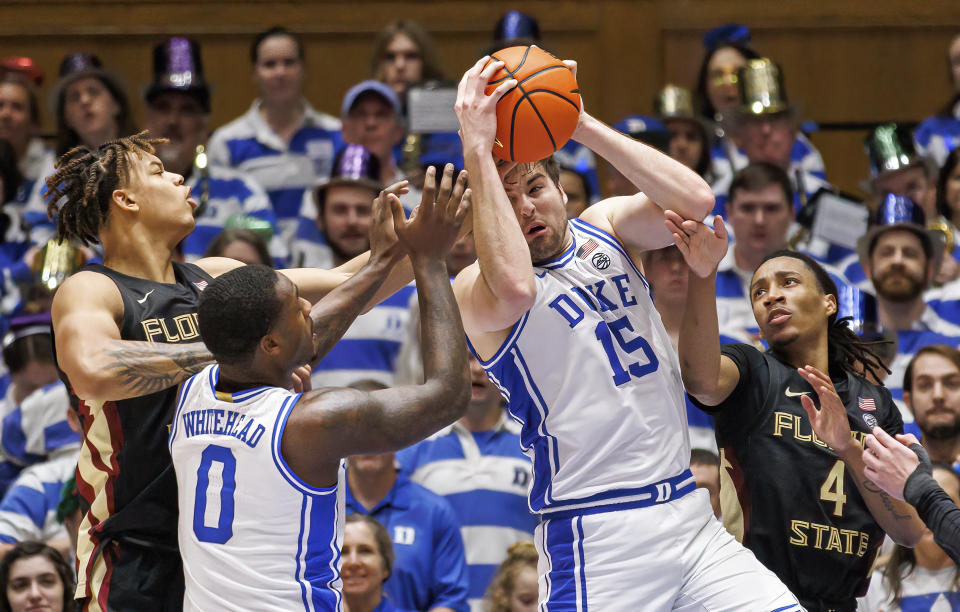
<point x="761" y="89"/>
<point x="674" y="102"/>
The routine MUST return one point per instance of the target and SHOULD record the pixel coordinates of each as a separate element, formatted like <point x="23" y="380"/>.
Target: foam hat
<point x="900" y="212"/>
<point x="728" y="32"/>
<point x="352" y="165"/>
<point x="370" y="86"/>
<point x="861" y="308"/>
<point x="22" y="65"/>
<point x="516" y="26"/>
<point x="890" y="148"/>
<point x="177" y="66"/>
<point x="28" y="325"/>
<point x="648" y="130"/>
<point x="761" y="89"/>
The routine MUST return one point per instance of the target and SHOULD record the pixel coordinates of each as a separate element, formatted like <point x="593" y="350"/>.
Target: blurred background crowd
<point x="444" y="524"/>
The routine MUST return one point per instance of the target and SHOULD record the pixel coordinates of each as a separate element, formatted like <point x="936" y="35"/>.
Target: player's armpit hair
<point x="79" y="191"/>
<point x="148" y="367"/>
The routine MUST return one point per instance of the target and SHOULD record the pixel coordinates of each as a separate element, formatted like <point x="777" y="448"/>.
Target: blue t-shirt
<point x="430" y="568"/>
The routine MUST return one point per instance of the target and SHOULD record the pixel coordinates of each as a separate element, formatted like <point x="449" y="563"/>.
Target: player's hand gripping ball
<point x="538" y="116"/>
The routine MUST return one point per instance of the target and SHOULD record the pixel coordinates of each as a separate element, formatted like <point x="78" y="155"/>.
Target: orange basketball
<point x="539" y="115"/>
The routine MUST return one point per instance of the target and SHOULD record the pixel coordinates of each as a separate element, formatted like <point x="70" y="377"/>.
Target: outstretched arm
<point x="99" y="364"/>
<point x="707" y="375"/>
<point x="831" y="424"/>
<point x="333" y="423"/>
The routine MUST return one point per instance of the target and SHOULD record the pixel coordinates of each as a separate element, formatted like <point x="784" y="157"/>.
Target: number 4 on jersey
<point x="832" y="488"/>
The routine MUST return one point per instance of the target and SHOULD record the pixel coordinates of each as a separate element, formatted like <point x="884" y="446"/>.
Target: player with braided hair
<point x="792" y="483"/>
<point x="126" y="333"/>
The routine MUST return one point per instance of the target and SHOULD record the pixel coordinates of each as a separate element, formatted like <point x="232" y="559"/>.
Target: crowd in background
<point x="445" y="524"/>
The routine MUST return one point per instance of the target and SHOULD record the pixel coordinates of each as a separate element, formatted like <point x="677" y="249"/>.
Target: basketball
<point x="539" y="115"/>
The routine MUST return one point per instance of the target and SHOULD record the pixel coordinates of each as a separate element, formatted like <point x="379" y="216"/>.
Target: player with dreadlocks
<point x="792" y="486"/>
<point x="126" y="334"/>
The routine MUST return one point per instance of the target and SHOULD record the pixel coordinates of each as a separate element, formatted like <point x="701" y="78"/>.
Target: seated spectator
<point x="947" y="199"/>
<point x="918" y="578"/>
<point x="759" y="212"/>
<point x="939" y="135"/>
<point x="689" y="134"/>
<point x="576" y="186"/>
<point x="16" y="256"/>
<point x="372" y="118"/>
<point x="403" y="55"/>
<point x="717" y="95"/>
<point x="20" y="126"/>
<point x="705" y="466"/>
<point x="34" y="576"/>
<point x="178" y="109"/>
<point x="34" y="408"/>
<point x="477" y="465"/>
<point x="240" y="244"/>
<point x="899" y="255"/>
<point x="338" y="233"/>
<point x="367" y="561"/>
<point x="430" y="572"/>
<point x="931" y="390"/>
<point x="514" y="588"/>
<point x="282" y="143"/>
<point x="666" y="271"/>
<point x="765" y="126"/>
<point x="91" y="104"/>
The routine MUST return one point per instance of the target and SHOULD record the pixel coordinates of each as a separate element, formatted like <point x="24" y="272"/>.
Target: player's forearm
<point x="664" y="180"/>
<point x="502" y="251"/>
<point x="897" y="518"/>
<point x="130" y="368"/>
<point x="699" y="340"/>
<point x="937" y="511"/>
<point x="444" y="351"/>
<point x="315" y="283"/>
<point x="337" y="310"/>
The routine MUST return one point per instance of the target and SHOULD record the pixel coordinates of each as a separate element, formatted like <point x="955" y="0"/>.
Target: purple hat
<point x="76" y="66"/>
<point x="727" y="33"/>
<point x="353" y="165"/>
<point x="177" y="67"/>
<point x="28" y="325"/>
<point x="370" y="86"/>
<point x="516" y="26"/>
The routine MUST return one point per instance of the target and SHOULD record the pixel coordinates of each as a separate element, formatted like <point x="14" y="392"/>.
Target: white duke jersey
<point x="591" y="376"/>
<point x="253" y="536"/>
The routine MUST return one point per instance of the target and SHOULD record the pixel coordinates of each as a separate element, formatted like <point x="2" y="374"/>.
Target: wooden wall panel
<point x="847" y="60"/>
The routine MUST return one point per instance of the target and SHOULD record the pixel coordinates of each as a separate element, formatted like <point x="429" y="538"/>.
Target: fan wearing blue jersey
<point x="561" y="318"/>
<point x="259" y="468"/>
<point x="820" y="529"/>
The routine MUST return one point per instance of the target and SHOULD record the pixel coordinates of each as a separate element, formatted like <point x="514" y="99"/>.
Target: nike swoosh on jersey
<point x="145" y="296"/>
<point x="790" y="393"/>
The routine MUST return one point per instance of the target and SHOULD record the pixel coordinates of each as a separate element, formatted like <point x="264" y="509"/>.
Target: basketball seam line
<point x="513" y="117"/>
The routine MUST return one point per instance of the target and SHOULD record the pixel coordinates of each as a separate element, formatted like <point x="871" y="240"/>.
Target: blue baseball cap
<point x="648" y="130"/>
<point x="370" y="86"/>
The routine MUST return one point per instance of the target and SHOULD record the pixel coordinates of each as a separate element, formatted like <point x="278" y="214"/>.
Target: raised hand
<point x="701" y="247"/>
<point x="384" y="242"/>
<point x="830" y="422"/>
<point x="476" y="110"/>
<point x="432" y="229"/>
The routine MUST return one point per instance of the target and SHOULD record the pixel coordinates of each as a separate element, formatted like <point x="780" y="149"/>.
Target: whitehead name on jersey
<point x="252" y="534"/>
<point x="590" y="374"/>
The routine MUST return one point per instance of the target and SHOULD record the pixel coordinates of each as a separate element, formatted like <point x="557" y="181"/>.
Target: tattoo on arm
<point x="885" y="500"/>
<point x="148" y="367"/>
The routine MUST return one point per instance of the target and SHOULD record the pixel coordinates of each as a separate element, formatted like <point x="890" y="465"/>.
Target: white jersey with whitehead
<point x="591" y="375"/>
<point x="252" y="534"/>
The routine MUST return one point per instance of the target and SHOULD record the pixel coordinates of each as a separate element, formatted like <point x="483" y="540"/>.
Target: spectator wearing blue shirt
<point x="899" y="255"/>
<point x="477" y="465"/>
<point x="367" y="561"/>
<point x="281" y="142"/>
<point x="178" y="109"/>
<point x="430" y="572"/>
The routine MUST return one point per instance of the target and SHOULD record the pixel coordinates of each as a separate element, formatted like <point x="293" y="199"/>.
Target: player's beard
<point x="546" y="248"/>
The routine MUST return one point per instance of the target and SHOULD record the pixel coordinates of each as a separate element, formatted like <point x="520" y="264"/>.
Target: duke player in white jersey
<point x="571" y="337"/>
<point x="258" y="467"/>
